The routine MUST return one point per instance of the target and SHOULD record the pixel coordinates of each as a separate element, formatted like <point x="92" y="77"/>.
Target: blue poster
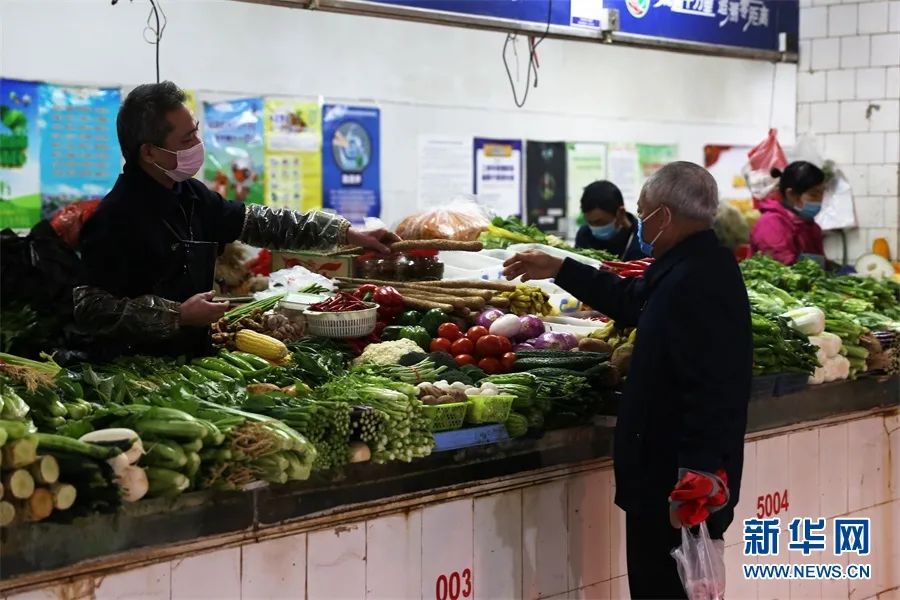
<point x="351" y="164"/>
<point x="20" y="144"/>
<point x="80" y="156"/>
<point x="233" y="136"/>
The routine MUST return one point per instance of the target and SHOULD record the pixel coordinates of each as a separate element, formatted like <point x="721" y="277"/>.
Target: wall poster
<point x="20" y="152"/>
<point x="233" y="137"/>
<point x="351" y="162"/>
<point x="293" y="172"/>
<point x="545" y="190"/>
<point x="498" y="175"/>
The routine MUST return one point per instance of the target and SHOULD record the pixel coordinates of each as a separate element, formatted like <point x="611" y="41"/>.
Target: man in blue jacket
<point x="609" y="226"/>
<point x="684" y="414"/>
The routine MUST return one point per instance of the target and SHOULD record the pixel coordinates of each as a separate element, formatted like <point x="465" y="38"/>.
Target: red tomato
<point x="476" y="333"/>
<point x="464" y="359"/>
<point x="462" y="346"/>
<point x="440" y="345"/>
<point x="507" y="361"/>
<point x="449" y="331"/>
<point x="491" y="366"/>
<point x="505" y="344"/>
<point x="488" y="346"/>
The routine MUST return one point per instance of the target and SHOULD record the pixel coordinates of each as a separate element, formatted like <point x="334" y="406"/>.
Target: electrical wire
<point x="533" y="64"/>
<point x="155" y="28"/>
<point x="156" y="25"/>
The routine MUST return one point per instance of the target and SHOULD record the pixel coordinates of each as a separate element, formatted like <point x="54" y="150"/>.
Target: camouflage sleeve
<point x="146" y="317"/>
<point x="283" y="229"/>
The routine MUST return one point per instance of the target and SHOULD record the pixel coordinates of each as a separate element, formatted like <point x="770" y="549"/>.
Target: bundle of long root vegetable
<point x="451" y="296"/>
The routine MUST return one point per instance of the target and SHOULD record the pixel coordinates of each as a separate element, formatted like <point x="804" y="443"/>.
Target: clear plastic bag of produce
<point x="701" y="564"/>
<point x="463" y="219"/>
<point x="293" y="280"/>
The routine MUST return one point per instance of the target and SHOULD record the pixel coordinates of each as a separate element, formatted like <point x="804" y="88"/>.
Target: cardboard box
<point x="327" y="266"/>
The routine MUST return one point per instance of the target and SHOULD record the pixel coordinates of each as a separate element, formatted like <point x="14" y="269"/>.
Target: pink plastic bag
<point x="701" y="564"/>
<point x="763" y="158"/>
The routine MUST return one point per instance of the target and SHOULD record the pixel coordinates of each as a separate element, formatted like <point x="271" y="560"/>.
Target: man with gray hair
<point x="679" y="436"/>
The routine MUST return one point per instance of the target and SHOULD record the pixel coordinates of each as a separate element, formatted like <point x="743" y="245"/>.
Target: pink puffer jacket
<point x="783" y="235"/>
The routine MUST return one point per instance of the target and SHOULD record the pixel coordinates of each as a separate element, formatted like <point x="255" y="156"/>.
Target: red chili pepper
<point x="341" y="302"/>
<point x="632" y="273"/>
<point x="615" y="266"/>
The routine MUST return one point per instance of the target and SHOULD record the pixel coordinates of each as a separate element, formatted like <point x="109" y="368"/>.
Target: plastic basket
<point x="489" y="409"/>
<point x="353" y="324"/>
<point x="445" y="417"/>
<point x="763" y="386"/>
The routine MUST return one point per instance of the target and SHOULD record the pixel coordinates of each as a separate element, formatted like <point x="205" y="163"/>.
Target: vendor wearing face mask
<point x="150" y="248"/>
<point x="609" y="227"/>
<point x="787" y="229"/>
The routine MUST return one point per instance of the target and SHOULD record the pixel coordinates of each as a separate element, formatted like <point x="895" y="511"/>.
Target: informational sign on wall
<point x="586" y="163"/>
<point x="351" y="162"/>
<point x="444" y="169"/>
<point x="545" y="190"/>
<point x="652" y="157"/>
<point x="622" y="170"/>
<point x="20" y="143"/>
<point x="293" y="172"/>
<point x="233" y="135"/>
<point x="80" y="155"/>
<point x="498" y="175"/>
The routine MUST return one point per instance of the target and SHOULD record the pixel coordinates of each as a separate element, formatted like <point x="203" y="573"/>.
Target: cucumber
<point x="166" y="454"/>
<point x="193" y="464"/>
<point x="48" y="442"/>
<point x="516" y="425"/>
<point x="574" y="362"/>
<point x="181" y="430"/>
<point x="192" y="446"/>
<point x="601" y="356"/>
<point x="165" y="482"/>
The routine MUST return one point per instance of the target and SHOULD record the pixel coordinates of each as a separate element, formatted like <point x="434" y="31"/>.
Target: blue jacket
<point x="686" y="395"/>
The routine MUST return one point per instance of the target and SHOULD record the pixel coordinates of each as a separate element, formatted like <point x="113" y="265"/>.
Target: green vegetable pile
<point x="502" y="233"/>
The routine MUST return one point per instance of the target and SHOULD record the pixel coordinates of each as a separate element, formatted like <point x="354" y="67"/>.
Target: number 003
<point x="453" y="586"/>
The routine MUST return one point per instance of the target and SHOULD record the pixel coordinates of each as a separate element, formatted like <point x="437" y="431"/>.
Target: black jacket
<point x="624" y="244"/>
<point x="685" y="402"/>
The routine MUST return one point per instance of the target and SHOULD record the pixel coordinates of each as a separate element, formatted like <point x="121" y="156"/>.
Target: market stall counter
<point x="521" y="518"/>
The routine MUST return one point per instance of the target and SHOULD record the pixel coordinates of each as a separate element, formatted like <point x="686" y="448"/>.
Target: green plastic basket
<point x="445" y="417"/>
<point x="489" y="409"/>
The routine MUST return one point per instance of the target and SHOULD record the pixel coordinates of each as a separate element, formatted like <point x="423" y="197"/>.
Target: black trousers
<point x="649" y="540"/>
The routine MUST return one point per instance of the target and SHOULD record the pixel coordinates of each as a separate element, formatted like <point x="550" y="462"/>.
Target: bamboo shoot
<point x="7" y="513"/>
<point x="20" y="453"/>
<point x="19" y="484"/>
<point x="45" y="470"/>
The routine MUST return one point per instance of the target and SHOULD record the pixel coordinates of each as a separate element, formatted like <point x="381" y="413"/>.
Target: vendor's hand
<point x="532" y="265"/>
<point x="374" y="239"/>
<point x="199" y="310"/>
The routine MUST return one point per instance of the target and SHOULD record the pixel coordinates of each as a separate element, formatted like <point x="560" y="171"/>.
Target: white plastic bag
<point x="701" y="564"/>
<point x="292" y="281"/>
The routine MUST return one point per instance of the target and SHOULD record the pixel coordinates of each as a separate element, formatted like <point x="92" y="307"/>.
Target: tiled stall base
<point x="562" y="538"/>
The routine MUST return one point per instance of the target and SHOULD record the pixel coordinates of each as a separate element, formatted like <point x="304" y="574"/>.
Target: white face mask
<point x="187" y="162"/>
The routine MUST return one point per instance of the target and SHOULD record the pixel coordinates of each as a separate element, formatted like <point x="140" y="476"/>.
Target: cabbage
<point x="808" y="320"/>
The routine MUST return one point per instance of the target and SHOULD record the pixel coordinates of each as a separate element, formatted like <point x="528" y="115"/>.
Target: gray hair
<point x="142" y="116"/>
<point x="688" y="189"/>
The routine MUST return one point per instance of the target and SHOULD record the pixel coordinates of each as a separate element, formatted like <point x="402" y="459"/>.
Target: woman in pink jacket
<point x="787" y="229"/>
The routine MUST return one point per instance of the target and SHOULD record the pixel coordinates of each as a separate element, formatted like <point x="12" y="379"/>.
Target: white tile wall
<point x="825" y="117"/>
<point x="497" y="564"/>
<point x="885" y="49"/>
<point x="893" y="427"/>
<point x="446" y="542"/>
<point x="811" y="86"/>
<point x="619" y="588"/>
<point x="214" y="575"/>
<point x="869" y="211"/>
<point x="394" y="556"/>
<point x="894" y="16"/>
<point x="274" y="569"/>
<point x="867" y="461"/>
<point x="854" y="52"/>
<point x="618" y="558"/>
<point x="814" y="22"/>
<point x="883" y="180"/>
<point x="870" y="83"/>
<point x="873" y="17"/>
<point x="887" y="117"/>
<point x="746" y="508"/>
<point x="826" y="53"/>
<point x="545" y="546"/>
<point x="833" y="470"/>
<point x="892" y="147"/>
<point x="839" y="148"/>
<point x="803" y="488"/>
<point x="589" y="502"/>
<point x="892" y="82"/>
<point x="841" y="84"/>
<point x="842" y="20"/>
<point x="853" y="116"/>
<point x="869" y="148"/>
<point x="154" y="581"/>
<point x="336" y="563"/>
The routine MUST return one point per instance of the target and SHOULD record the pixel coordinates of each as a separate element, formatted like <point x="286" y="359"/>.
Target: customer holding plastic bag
<point x="680" y="429"/>
<point x="787" y="229"/>
<point x="150" y="248"/>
